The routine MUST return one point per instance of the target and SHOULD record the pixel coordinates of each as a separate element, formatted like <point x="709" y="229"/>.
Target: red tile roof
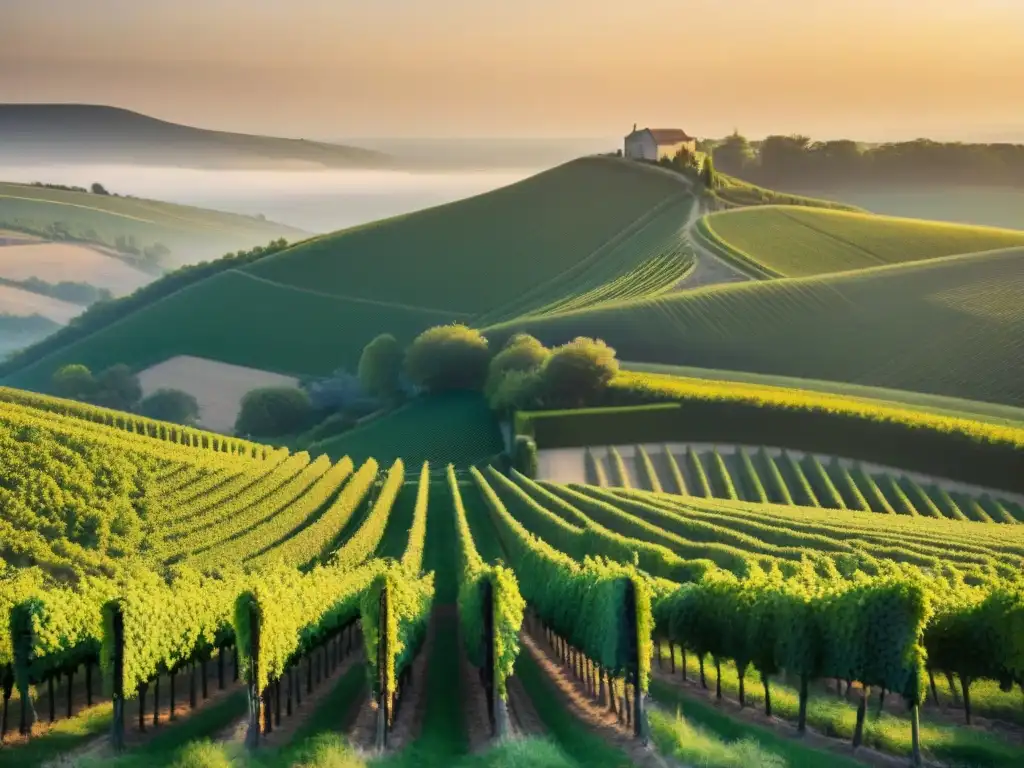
<point x="669" y="135"/>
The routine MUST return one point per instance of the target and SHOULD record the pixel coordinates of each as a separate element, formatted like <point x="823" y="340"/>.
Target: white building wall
<point x="641" y="146"/>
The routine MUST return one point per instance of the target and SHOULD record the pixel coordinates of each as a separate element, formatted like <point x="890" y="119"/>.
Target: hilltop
<point x="91" y="133"/>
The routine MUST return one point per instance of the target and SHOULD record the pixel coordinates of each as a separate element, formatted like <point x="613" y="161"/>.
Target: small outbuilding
<point x="655" y="143"/>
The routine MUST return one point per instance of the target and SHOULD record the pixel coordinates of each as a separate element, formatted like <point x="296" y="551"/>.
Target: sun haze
<point x="867" y="69"/>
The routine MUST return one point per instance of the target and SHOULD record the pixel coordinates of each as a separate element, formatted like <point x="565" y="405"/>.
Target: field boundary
<point x="741" y="260"/>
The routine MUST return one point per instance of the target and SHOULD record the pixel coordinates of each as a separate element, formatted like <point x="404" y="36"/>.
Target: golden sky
<point x="865" y="69"/>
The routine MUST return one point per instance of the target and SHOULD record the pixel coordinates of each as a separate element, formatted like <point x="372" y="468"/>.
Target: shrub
<point x="521" y="353"/>
<point x="380" y="366"/>
<point x="171" y="405"/>
<point x="74" y="382"/>
<point x="524" y="456"/>
<point x="117" y="387"/>
<point x="578" y="372"/>
<point x="518" y="390"/>
<point x="448" y="357"/>
<point x="274" y="411"/>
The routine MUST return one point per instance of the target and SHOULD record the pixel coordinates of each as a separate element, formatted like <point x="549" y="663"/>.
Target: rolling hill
<point x="951" y="326"/>
<point x="788" y="241"/>
<point x="88" y="133"/>
<point x="119" y="223"/>
<point x="554" y="238"/>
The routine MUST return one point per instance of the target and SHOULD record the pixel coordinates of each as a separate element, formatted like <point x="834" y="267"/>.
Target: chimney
<point x="634" y="127"/>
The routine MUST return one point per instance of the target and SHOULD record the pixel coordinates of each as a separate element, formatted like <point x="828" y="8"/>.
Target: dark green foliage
<point x="578" y="372"/>
<point x="274" y="411"/>
<point x="380" y="366"/>
<point x="170" y="405"/>
<point x="448" y="357"/>
<point x="512" y="380"/>
<point x="74" y="382"/>
<point x="73" y="292"/>
<point x="707" y="173"/>
<point x="524" y="456"/>
<point x="117" y="387"/>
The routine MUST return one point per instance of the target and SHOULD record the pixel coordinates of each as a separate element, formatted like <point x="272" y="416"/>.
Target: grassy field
<point x="787" y="241"/>
<point x="987" y="206"/>
<point x="191" y="233"/>
<point x="946" y="327"/>
<point x="450" y="429"/>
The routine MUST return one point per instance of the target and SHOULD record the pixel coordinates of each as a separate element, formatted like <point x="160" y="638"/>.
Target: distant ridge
<point x="80" y="133"/>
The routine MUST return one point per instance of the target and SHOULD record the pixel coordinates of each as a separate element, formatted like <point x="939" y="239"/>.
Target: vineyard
<point x="188" y="573"/>
<point x="864" y="327"/>
<point x="766" y="475"/>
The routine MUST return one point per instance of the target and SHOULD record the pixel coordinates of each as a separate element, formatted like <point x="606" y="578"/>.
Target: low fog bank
<point x="313" y="200"/>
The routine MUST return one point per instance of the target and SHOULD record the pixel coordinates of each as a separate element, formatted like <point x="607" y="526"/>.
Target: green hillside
<point x="591" y="231"/>
<point x="190" y="233"/>
<point x="535" y="238"/>
<point x="238" y="318"/>
<point x="445" y="429"/>
<point x="788" y="241"/>
<point x="951" y="326"/>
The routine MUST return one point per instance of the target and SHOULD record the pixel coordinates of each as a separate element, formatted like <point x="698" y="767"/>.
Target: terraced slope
<point x="770" y="475"/>
<point x="790" y="241"/>
<point x="949" y="326"/>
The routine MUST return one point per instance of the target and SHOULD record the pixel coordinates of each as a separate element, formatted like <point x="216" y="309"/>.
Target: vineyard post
<point x="633" y="661"/>
<point x="8" y="690"/>
<point x="21" y="630"/>
<point x="117" y="726"/>
<point x="70" y="678"/>
<point x="915" y="732"/>
<point x="383" y="695"/>
<point x="252" y="736"/>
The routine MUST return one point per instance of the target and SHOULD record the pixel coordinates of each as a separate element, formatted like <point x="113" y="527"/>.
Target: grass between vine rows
<point x="830" y="715"/>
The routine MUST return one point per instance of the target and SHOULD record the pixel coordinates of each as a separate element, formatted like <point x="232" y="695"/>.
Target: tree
<point x="707" y="173"/>
<point x="578" y="372"/>
<point x="75" y="382"/>
<point x="734" y="154"/>
<point x="517" y="390"/>
<point x="522" y="353"/>
<point x="274" y="411"/>
<point x="99" y="189"/>
<point x="448" y="357"/>
<point x="171" y="405"/>
<point x="380" y="366"/>
<point x="117" y="387"/>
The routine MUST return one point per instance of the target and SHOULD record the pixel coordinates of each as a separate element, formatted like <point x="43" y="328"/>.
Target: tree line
<point x="798" y="160"/>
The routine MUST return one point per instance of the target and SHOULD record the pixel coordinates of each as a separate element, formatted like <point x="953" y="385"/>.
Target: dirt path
<point x="409" y="718"/>
<point x="285" y="730"/>
<point x="596" y="718"/>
